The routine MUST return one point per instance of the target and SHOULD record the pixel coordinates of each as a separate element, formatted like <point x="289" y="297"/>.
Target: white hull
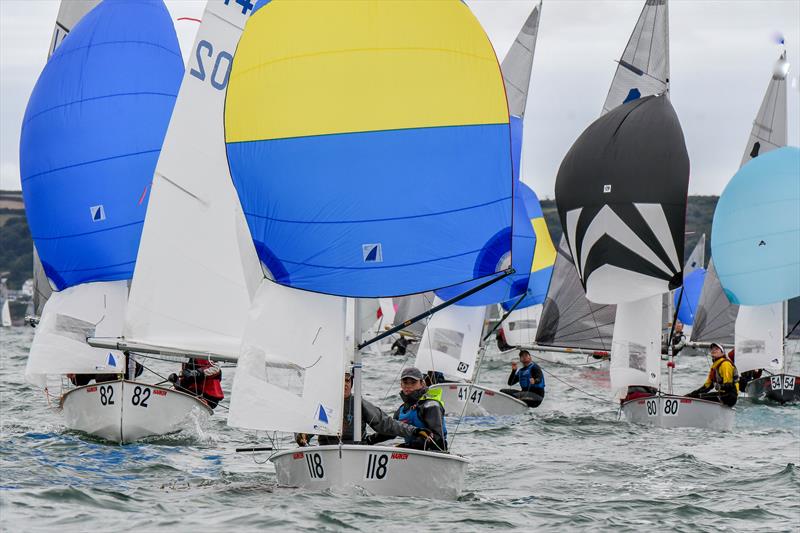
<point x="474" y="400"/>
<point x="679" y="412"/>
<point x="380" y="470"/>
<point x="126" y="411"/>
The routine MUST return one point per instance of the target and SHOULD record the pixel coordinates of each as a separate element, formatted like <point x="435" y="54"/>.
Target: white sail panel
<point x="196" y="269"/>
<point x="387" y="311"/>
<point x="5" y="314"/>
<point x="643" y="69"/>
<point x="770" y="128"/>
<point x="636" y="345"/>
<point x="450" y="341"/>
<point x="290" y="372"/>
<point x="759" y="337"/>
<point x="521" y="325"/>
<point x="68" y="318"/>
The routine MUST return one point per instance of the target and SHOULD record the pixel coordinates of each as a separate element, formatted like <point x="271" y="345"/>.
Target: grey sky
<point x="721" y="57"/>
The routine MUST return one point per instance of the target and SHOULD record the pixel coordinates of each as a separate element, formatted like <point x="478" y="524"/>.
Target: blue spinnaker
<point x="755" y="237"/>
<point x="691" y="289"/>
<point x="91" y="137"/>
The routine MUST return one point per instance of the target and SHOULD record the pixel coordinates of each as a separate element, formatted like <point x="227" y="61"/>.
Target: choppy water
<point x="569" y="465"/>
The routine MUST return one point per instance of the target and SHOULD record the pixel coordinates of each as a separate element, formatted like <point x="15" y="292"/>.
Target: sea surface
<point x="569" y="465"/>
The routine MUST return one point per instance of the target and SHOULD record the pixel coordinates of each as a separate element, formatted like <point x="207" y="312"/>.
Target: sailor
<point x="433" y="377"/>
<point x="722" y="384"/>
<point x="530" y="378"/>
<point x="202" y="378"/>
<point x="678" y="338"/>
<point x="370" y="414"/>
<point x="422" y="408"/>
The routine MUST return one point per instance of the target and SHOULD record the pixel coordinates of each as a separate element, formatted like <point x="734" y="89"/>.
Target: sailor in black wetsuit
<point x="530" y="378"/>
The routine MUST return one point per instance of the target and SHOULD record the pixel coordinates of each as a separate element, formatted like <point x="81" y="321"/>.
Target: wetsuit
<point x="531" y="380"/>
<point x="423" y="409"/>
<point x="722" y="384"/>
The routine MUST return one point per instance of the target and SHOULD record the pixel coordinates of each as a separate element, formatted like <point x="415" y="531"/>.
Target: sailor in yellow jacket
<point x="722" y="384"/>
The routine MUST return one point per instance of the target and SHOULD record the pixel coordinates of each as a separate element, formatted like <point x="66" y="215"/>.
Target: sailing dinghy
<point x="331" y="109"/>
<point x="761" y="202"/>
<point x="90" y="140"/>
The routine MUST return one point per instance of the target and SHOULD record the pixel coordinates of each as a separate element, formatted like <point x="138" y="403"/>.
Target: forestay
<point x="416" y="113"/>
<point x="755" y="239"/>
<point x="289" y="376"/>
<point x="759" y="337"/>
<point x="621" y="194"/>
<point x="643" y="69"/>
<point x="715" y="317"/>
<point x="636" y="346"/>
<point x="450" y="342"/>
<point x="196" y="267"/>
<point x="90" y="139"/>
<point x="568" y="319"/>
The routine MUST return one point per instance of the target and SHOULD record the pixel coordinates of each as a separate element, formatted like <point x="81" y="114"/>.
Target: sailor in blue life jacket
<point x="530" y="378"/>
<point x="422" y="408"/>
<point x="370" y="414"/>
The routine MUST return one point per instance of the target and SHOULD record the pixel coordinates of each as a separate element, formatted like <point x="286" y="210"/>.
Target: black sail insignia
<point x="621" y="195"/>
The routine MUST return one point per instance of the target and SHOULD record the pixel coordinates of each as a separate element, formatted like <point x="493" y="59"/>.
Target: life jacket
<point x="210" y="387"/>
<point x="716" y="377"/>
<point x="526" y="379"/>
<point x="411" y="415"/>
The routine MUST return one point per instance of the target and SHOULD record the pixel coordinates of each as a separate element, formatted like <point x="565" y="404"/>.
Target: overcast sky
<point x="721" y="57"/>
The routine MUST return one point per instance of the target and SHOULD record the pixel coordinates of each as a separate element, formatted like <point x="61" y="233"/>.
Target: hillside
<point x="16" y="255"/>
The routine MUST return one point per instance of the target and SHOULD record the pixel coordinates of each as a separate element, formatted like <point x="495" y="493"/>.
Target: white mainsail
<point x="521" y="325"/>
<point x="636" y="345"/>
<point x="643" y="68"/>
<point x="770" y="128"/>
<point x="196" y="269"/>
<point x="450" y="341"/>
<point x="697" y="259"/>
<point x="759" y="337"/>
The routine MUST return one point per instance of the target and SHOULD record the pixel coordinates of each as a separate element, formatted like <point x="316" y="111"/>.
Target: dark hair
<point x="524" y="352"/>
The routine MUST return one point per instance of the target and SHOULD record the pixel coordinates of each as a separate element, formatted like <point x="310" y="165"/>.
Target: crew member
<point x="678" y="338"/>
<point x="722" y="384"/>
<point x="370" y="414"/>
<point x="530" y="378"/>
<point x="200" y="377"/>
<point x="421" y="408"/>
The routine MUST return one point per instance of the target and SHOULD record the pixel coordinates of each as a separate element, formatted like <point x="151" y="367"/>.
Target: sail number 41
<point x="475" y="397"/>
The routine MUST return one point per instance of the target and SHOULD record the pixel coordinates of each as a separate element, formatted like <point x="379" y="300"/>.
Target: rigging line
<point x="605" y="400"/>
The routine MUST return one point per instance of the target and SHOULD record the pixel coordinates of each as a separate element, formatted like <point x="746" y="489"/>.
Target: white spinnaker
<point x="450" y="341"/>
<point x="636" y="345"/>
<point x="197" y="267"/>
<point x="70" y="12"/>
<point x="759" y="337"/>
<point x="644" y="65"/>
<point x="697" y="259"/>
<point x="70" y="316"/>
<point x="292" y="363"/>
<point x="770" y="128"/>
<point x="521" y="325"/>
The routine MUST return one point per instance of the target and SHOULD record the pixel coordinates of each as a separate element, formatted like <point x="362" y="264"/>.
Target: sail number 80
<point x="671" y="406"/>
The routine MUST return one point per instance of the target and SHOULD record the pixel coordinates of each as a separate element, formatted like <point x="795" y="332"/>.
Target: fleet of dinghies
<point x="269" y="241"/>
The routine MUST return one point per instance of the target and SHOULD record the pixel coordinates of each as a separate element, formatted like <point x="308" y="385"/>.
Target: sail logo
<point x="111" y="361"/>
<point x="606" y="189"/>
<point x="463" y="367"/>
<point x="322" y="417"/>
<point x="98" y="213"/>
<point x="372" y="253"/>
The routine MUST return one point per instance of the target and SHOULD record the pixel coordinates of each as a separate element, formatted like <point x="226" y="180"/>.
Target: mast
<point x="356" y="392"/>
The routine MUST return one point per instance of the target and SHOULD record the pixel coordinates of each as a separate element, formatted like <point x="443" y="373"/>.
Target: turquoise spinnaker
<point x="755" y="237"/>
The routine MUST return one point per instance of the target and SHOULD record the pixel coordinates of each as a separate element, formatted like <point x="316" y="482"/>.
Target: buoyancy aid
<point x="715" y="374"/>
<point x="209" y="386"/>
<point x="526" y="379"/>
<point x="410" y="414"/>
